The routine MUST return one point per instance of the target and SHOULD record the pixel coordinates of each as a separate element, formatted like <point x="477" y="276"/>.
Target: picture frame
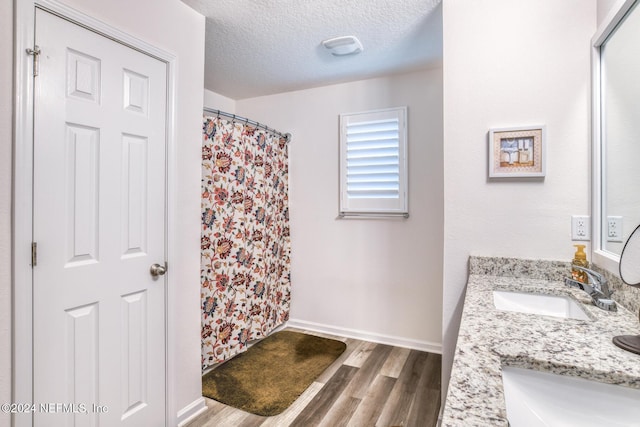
<point x="517" y="152"/>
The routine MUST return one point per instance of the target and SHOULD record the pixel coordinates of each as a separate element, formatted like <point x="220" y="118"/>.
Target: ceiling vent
<point x="342" y="46"/>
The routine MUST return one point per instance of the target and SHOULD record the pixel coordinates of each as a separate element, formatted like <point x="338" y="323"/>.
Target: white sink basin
<point x="537" y="398"/>
<point x="548" y="305"/>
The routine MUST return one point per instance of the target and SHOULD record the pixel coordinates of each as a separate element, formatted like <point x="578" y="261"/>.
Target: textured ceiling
<point x="261" y="47"/>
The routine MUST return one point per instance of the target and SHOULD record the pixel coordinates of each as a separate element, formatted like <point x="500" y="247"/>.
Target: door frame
<point x="22" y="308"/>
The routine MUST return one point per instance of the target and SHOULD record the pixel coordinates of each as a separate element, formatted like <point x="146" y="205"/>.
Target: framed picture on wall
<point x="517" y="152"/>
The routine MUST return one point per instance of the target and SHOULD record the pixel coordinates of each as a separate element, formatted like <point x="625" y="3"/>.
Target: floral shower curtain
<point x="245" y="266"/>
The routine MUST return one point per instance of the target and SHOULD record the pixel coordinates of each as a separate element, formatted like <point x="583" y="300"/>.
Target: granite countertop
<point x="489" y="338"/>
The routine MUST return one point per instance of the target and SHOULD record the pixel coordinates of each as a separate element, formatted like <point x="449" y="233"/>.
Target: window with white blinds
<point x="373" y="162"/>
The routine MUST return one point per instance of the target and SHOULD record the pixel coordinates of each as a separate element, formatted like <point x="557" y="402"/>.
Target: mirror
<point x="630" y="274"/>
<point x="630" y="260"/>
<point x="619" y="91"/>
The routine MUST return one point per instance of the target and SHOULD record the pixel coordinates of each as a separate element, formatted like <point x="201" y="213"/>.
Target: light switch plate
<point x="580" y="227"/>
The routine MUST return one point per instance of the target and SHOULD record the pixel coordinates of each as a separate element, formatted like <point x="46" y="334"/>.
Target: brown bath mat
<point x="270" y="376"/>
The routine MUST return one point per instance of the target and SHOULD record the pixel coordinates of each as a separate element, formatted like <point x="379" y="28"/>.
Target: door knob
<point x="157" y="270"/>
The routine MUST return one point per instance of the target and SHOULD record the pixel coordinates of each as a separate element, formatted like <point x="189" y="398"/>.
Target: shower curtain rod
<point x="233" y="117"/>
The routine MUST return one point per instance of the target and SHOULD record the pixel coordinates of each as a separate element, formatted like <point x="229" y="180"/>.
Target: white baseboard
<point x="367" y="336"/>
<point x="192" y="410"/>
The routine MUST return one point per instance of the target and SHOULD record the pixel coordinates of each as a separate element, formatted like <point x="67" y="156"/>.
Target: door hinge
<point x="34" y="254"/>
<point x="36" y="58"/>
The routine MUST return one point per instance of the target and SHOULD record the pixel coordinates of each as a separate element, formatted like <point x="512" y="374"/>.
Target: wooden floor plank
<point x="227" y="417"/>
<point x="434" y="377"/>
<point x="360" y="354"/>
<point x="204" y="420"/>
<point x="371" y="406"/>
<point x="341" y="412"/>
<point x="425" y="409"/>
<point x="426" y="400"/>
<point x="352" y="395"/>
<point x="251" y="420"/>
<point x="324" y="399"/>
<point x="393" y="366"/>
<point x="367" y="373"/>
<point x="396" y="410"/>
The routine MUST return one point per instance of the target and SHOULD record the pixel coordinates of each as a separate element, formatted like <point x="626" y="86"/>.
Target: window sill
<point x="373" y="215"/>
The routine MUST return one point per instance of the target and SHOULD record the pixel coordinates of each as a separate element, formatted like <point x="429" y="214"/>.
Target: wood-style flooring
<point x="368" y="385"/>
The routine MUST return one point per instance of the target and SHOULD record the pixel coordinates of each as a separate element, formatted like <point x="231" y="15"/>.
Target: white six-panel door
<point x="99" y="223"/>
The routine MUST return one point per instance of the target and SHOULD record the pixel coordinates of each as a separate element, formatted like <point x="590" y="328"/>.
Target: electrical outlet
<point x="580" y="227"/>
<point x="614" y="229"/>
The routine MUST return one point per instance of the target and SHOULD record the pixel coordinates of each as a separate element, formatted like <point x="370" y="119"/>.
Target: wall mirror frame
<point x="604" y="253"/>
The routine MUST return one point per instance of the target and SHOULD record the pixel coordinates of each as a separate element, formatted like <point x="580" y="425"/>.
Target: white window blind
<point x="373" y="163"/>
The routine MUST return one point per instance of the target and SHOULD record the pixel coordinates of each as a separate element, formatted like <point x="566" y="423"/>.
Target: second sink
<point x="547" y="305"/>
<point x="539" y="399"/>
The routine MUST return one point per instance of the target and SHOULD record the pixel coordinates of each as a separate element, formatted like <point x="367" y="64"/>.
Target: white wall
<point x="606" y="6"/>
<point x="219" y="102"/>
<point x="512" y="63"/>
<point x="6" y="85"/>
<point x="174" y="27"/>
<point x="382" y="277"/>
